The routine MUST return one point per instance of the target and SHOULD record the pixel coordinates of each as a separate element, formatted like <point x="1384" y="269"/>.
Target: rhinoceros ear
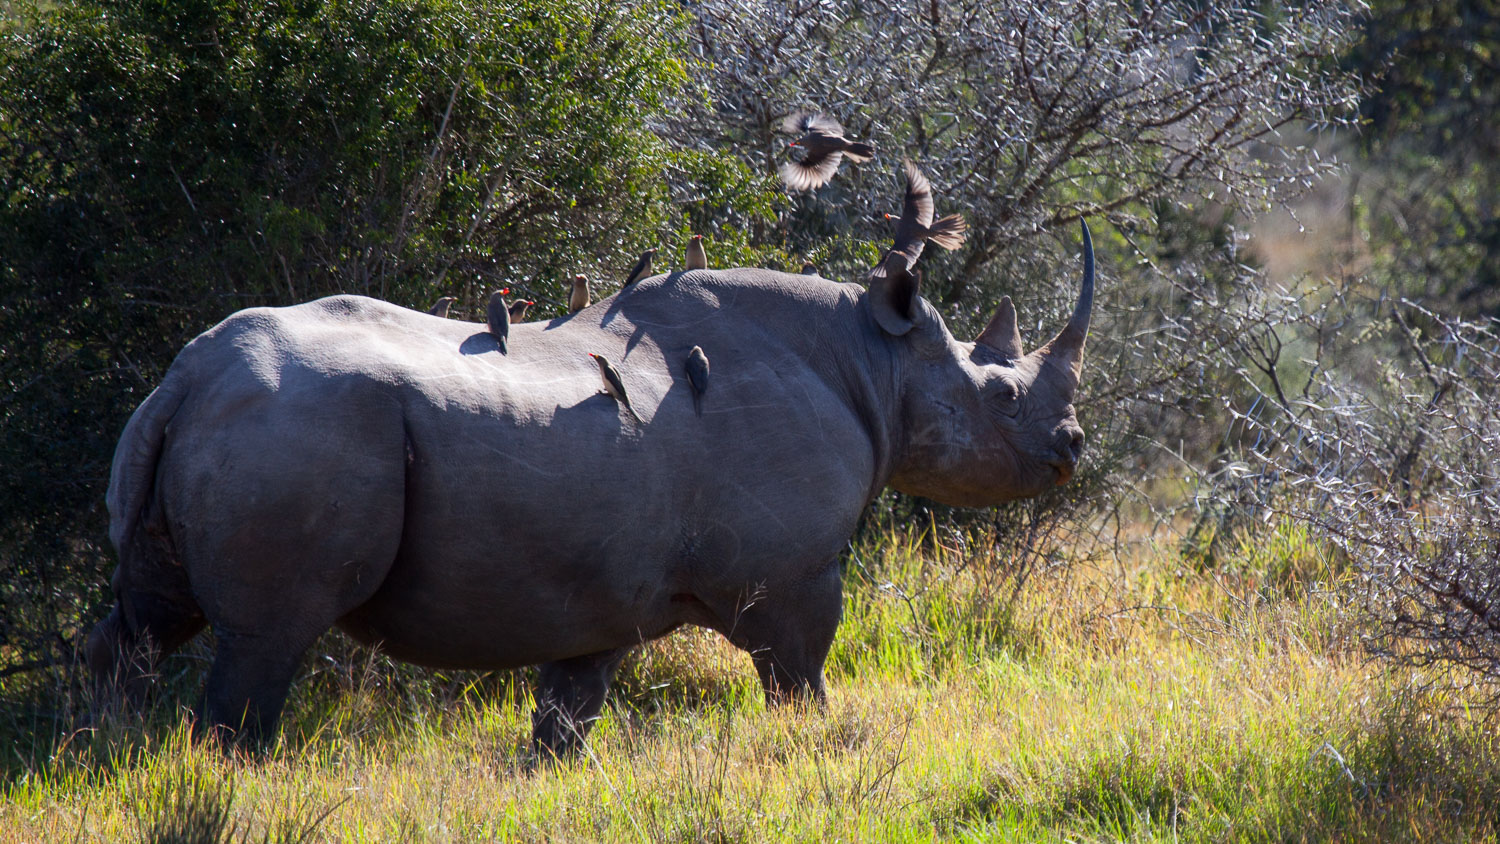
<point x="1001" y="334"/>
<point x="894" y="291"/>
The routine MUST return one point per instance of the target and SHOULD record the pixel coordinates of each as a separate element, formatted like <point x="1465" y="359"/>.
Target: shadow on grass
<point x="344" y="695"/>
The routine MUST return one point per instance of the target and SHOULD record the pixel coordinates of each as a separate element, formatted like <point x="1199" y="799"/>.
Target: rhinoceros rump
<point x="349" y="462"/>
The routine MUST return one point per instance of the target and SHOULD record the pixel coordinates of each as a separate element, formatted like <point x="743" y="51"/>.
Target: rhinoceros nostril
<point x="1069" y="444"/>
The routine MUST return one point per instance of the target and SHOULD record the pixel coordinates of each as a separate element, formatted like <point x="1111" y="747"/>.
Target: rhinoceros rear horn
<point x="894" y="290"/>
<point x="1001" y="334"/>
<point x="1067" y="346"/>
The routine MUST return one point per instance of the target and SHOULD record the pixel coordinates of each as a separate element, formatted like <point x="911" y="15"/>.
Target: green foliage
<point x="162" y="165"/>
<point x="1424" y="196"/>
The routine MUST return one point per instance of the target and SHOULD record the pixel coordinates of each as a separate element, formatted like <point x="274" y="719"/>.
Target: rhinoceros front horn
<point x="1067" y="346"/>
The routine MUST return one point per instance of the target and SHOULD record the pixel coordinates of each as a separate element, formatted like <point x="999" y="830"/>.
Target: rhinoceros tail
<point x="132" y="476"/>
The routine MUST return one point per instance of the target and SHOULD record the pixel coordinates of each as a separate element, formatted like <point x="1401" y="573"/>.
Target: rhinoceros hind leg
<point x="569" y="700"/>
<point x="788" y="631"/>
<point x="247" y="685"/>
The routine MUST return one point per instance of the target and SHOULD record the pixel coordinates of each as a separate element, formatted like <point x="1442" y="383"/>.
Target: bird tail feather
<point x="948" y="232"/>
<point x="858" y="151"/>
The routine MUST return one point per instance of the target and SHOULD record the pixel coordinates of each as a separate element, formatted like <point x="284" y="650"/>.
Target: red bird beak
<point x="791" y="143"/>
<point x="890" y="217"/>
<point x="505" y="291"/>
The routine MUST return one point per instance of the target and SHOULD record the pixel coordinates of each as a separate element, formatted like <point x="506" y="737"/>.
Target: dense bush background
<point x="164" y="164"/>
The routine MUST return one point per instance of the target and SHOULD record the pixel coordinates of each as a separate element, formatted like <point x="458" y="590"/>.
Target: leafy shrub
<point x="165" y="164"/>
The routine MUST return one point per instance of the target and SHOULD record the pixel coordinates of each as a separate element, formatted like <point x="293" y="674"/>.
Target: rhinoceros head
<point x="983" y="422"/>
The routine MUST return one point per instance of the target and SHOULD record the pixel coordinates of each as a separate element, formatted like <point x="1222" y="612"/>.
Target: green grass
<point x="1141" y="700"/>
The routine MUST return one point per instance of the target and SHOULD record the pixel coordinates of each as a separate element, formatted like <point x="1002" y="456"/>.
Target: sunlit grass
<point x="1157" y="701"/>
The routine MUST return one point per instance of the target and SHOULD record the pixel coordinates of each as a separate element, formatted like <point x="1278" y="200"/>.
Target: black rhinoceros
<point x="349" y="462"/>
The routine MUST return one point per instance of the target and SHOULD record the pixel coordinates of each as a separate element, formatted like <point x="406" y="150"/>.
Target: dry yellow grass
<point x="1155" y="702"/>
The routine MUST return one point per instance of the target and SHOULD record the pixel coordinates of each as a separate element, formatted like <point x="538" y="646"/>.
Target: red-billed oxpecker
<point x="697" y="373"/>
<point x="499" y="319"/>
<point x="441" y="306"/>
<point x="579" y="299"/>
<point x="916" y="225"/>
<point x="826" y="147"/>
<point x="697" y="259"/>
<point x="641" y="269"/>
<point x="613" y="386"/>
<point x="519" y="309"/>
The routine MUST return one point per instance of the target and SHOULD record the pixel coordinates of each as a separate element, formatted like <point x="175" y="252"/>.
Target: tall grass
<point x="1147" y="699"/>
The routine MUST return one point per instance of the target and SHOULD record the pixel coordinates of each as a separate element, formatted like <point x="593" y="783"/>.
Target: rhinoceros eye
<point x="1005" y="398"/>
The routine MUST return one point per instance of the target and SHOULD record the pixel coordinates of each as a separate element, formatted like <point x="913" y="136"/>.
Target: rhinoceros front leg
<point x="787" y="630"/>
<point x="569" y="700"/>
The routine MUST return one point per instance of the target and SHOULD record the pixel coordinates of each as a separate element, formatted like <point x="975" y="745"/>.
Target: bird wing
<point x="802" y="122"/>
<point x="697" y="369"/>
<point x="918" y="204"/>
<point x="811" y="172"/>
<point x="640" y="269"/>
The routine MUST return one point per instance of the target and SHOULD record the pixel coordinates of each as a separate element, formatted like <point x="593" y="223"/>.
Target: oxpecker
<point x="518" y="310"/>
<point x="440" y="307"/>
<point x="697" y="259"/>
<point x="826" y="146"/>
<point x="809" y="268"/>
<point x="499" y="319"/>
<point x="641" y="269"/>
<point x="916" y="225"/>
<point x="613" y="385"/>
<point x="697" y="373"/>
<point x="580" y="298"/>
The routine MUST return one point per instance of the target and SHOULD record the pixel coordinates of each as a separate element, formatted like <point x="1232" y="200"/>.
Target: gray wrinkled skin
<point x="349" y="462"/>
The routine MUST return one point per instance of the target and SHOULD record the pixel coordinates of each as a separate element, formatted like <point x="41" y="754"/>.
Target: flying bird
<point x="809" y="268"/>
<point x="697" y="373"/>
<point x="826" y="146"/>
<point x="518" y="310"/>
<point x="641" y="269"/>
<point x="916" y="225"/>
<point x="580" y="297"/>
<point x="499" y="319"/>
<point x="697" y="259"/>
<point x="613" y="386"/>
<point x="440" y="307"/>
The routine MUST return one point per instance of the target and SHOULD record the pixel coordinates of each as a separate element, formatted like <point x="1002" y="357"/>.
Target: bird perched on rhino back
<point x="697" y="259"/>
<point x="823" y="139"/>
<point x="809" y="268"/>
<point x="641" y="269"/>
<point x="499" y="319"/>
<point x="916" y="225"/>
<point x="441" y="306"/>
<point x="519" y="308"/>
<point x="614" y="387"/>
<point x="579" y="299"/>
<point x="697" y="373"/>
